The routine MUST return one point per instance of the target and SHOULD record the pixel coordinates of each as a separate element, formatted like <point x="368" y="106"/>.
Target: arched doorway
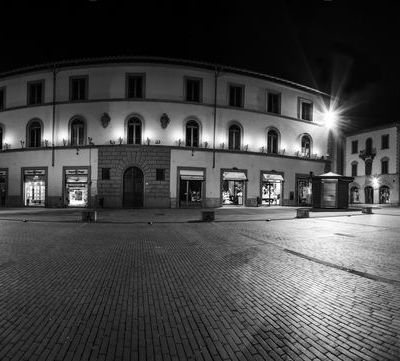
<point x="354" y="195"/>
<point x="133" y="188"/>
<point x="369" y="195"/>
<point x="384" y="194"/>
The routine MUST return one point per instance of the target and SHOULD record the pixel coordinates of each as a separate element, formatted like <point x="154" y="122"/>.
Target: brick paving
<point x="200" y="291"/>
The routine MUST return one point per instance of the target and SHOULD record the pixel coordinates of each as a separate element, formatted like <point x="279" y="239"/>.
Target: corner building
<point x="154" y="132"/>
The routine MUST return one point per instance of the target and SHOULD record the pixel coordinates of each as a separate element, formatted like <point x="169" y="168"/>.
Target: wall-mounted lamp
<point x="112" y="142"/>
<point x="22" y="143"/>
<point x="64" y="142"/>
<point x="120" y="140"/>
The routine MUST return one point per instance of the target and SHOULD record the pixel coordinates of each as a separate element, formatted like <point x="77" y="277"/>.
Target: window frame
<point x="105" y="173"/>
<point x="160" y="174"/>
<point x="385" y="161"/>
<point x="303" y="154"/>
<point x="28" y="133"/>
<point x="28" y="88"/>
<point x="387" y="139"/>
<point x="277" y="141"/>
<point x="191" y="120"/>
<point x="354" y="166"/>
<point x="279" y="96"/>
<point x="71" y="121"/>
<point x="135" y="75"/>
<point x="186" y="79"/>
<point x="79" y="77"/>
<point x="300" y="115"/>
<point x="242" y="98"/>
<point x="352" y="146"/>
<point x="239" y="138"/>
<point x="134" y="130"/>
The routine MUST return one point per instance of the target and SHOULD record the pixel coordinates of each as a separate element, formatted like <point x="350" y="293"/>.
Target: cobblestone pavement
<point x="278" y="290"/>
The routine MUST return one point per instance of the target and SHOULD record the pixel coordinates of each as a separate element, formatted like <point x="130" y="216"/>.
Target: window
<point x="368" y="166"/>
<point x="272" y="138"/>
<point x="193" y="89"/>
<point x="78" y="136"/>
<point x="234" y="137"/>
<point x="2" y="99"/>
<point x="105" y="173"/>
<point x="236" y="96"/>
<point x="305" y="109"/>
<point x="385" y="141"/>
<point x="78" y="88"/>
<point x="305" y="146"/>
<point x="134" y="131"/>
<point x="354" y="147"/>
<point x="192" y="134"/>
<point x="135" y="86"/>
<point x="368" y="146"/>
<point x="35" y="92"/>
<point x="160" y="174"/>
<point x="34" y="134"/>
<point x="273" y="103"/>
<point x="354" y="169"/>
<point x="385" y="166"/>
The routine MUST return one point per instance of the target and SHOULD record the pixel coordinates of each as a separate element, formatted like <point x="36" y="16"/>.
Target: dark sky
<point x="338" y="45"/>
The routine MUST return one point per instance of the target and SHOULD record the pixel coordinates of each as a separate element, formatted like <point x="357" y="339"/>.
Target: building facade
<point x="152" y="132"/>
<point x="372" y="158"/>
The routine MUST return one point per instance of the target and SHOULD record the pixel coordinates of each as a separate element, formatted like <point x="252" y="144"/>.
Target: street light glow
<point x="330" y="118"/>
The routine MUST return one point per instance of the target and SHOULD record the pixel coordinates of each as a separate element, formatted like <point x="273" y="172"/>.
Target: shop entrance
<point x="304" y="192"/>
<point x="233" y="188"/>
<point x="34" y="188"/>
<point x="369" y="195"/>
<point x="271" y="189"/>
<point x="384" y="194"/>
<point x="133" y="188"/>
<point x="191" y="183"/>
<point x="76" y="187"/>
<point x="3" y="187"/>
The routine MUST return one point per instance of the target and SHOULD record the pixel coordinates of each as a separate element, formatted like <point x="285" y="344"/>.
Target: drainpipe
<point x="54" y="115"/>
<point x="215" y="110"/>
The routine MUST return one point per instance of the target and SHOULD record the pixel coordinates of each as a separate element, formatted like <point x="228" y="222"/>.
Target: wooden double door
<point x="133" y="188"/>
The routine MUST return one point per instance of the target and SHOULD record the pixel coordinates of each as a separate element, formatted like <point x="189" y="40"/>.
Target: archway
<point x="369" y="195"/>
<point x="133" y="188"/>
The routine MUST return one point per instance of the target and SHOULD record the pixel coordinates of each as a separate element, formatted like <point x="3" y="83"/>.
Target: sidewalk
<point x="229" y="214"/>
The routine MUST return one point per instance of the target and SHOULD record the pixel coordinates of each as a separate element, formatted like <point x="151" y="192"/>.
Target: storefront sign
<point x="192" y="175"/>
<point x="272" y="177"/>
<point x="234" y="176"/>
<point x="34" y="172"/>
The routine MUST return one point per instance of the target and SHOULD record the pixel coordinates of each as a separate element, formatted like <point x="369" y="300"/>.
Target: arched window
<point x="368" y="146"/>
<point x="234" y="137"/>
<point x="305" y="145"/>
<point x="192" y="133"/>
<point x="78" y="135"/>
<point x="368" y="166"/>
<point x="134" y="131"/>
<point x="34" y="134"/>
<point x="272" y="141"/>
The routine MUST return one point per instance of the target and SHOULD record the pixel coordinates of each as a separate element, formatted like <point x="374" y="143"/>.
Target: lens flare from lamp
<point x="330" y="118"/>
<point x="375" y="182"/>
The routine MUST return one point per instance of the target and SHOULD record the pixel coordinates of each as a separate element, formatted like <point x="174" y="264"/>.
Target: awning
<point x="272" y="177"/>
<point x="234" y="176"/>
<point x="192" y="175"/>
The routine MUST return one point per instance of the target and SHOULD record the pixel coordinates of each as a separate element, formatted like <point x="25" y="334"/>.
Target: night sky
<point x="345" y="48"/>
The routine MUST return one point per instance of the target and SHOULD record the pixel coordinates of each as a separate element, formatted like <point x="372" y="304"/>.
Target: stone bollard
<point x="303" y="213"/>
<point x="207" y="216"/>
<point x="89" y="216"/>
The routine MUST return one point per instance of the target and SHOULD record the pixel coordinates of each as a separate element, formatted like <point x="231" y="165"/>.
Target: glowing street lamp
<point x="330" y="118"/>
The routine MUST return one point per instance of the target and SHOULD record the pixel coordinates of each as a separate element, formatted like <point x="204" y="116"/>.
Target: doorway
<point x="133" y="188"/>
<point x="369" y="195"/>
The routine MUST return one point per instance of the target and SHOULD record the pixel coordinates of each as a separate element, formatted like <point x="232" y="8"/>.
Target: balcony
<point x="370" y="154"/>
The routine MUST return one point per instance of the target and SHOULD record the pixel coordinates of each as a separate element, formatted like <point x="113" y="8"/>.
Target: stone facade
<point x="119" y="158"/>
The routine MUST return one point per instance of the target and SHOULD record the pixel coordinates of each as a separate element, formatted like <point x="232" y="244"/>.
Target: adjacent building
<point x="372" y="158"/>
<point x="154" y="132"/>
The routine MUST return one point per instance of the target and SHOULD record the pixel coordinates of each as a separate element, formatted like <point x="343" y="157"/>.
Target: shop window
<point x="354" y="147"/>
<point x="160" y="174"/>
<point x="35" y="92"/>
<point x="34" y="134"/>
<point x="78" y="136"/>
<point x="385" y="166"/>
<point x="2" y="99"/>
<point x="273" y="103"/>
<point x="135" y="86"/>
<point x="193" y="89"/>
<point x="305" y="146"/>
<point x="354" y="195"/>
<point x="134" y="131"/>
<point x="368" y="146"/>
<point x="234" y="137"/>
<point x="76" y="187"/>
<point x="236" y="96"/>
<point x="368" y="167"/>
<point x="384" y="194"/>
<point x="305" y="109"/>
<point x="272" y="139"/>
<point x="304" y="192"/>
<point x="192" y="133"/>
<point x="354" y="166"/>
<point x="34" y="187"/>
<point x="105" y="173"/>
<point x="78" y="88"/>
<point x="385" y="141"/>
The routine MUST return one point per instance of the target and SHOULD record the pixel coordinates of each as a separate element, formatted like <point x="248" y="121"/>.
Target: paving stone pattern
<point x="215" y="291"/>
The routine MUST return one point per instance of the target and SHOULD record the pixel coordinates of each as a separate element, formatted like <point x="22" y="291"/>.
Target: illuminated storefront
<point x="191" y="184"/>
<point x="76" y="187"/>
<point x="233" y="188"/>
<point x="304" y="191"/>
<point x="271" y="189"/>
<point x="34" y="187"/>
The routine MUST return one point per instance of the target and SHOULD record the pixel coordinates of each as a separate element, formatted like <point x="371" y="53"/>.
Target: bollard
<point x="207" y="216"/>
<point x="89" y="216"/>
<point x="303" y="213"/>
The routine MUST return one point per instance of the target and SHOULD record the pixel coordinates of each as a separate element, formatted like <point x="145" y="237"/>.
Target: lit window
<point x="78" y="132"/>
<point x="135" y="86"/>
<point x="134" y="131"/>
<point x="34" y="134"/>
<point x="193" y="90"/>
<point x="305" y="109"/>
<point x="192" y="134"/>
<point x="236" y="96"/>
<point x="274" y="103"/>
<point x="305" y="146"/>
<point x="234" y="137"/>
<point x="272" y="138"/>
<point x="385" y="141"/>
<point x="78" y="88"/>
<point x="354" y="147"/>
<point x="35" y="92"/>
